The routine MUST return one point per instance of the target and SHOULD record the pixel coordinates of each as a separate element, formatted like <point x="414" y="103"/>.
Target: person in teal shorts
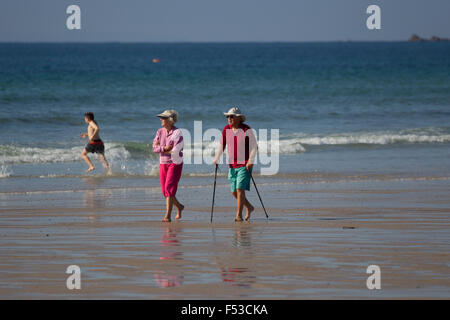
<point x="242" y="146"/>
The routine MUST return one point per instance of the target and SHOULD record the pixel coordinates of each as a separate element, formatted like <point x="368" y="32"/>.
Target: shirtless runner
<point x="95" y="144"/>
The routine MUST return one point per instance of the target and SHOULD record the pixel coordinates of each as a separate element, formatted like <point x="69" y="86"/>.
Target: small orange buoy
<point x="156" y="60"/>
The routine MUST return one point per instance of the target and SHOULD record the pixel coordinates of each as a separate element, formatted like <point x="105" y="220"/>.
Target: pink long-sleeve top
<point x="173" y="138"/>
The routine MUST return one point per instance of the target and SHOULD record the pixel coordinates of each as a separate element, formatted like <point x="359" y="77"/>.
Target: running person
<point x="95" y="144"/>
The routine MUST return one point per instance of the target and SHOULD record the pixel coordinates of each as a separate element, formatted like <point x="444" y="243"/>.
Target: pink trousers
<point x="169" y="175"/>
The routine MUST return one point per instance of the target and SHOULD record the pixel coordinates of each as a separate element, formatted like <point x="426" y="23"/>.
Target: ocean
<point x="349" y="110"/>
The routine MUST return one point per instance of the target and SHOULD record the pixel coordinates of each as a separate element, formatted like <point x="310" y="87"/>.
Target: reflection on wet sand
<point x="95" y="199"/>
<point x="241" y="239"/>
<point x="172" y="275"/>
<point x="239" y="276"/>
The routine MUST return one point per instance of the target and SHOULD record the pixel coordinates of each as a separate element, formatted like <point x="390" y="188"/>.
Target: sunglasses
<point x="230" y="117"/>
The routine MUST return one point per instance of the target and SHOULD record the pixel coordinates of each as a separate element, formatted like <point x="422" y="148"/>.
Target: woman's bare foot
<point x="249" y="212"/>
<point x="166" y="219"/>
<point x="90" y="169"/>
<point x="238" y="219"/>
<point x="179" y="210"/>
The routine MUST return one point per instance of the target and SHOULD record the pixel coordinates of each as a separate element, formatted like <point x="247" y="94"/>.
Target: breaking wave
<point x="17" y="154"/>
<point x="288" y="144"/>
<point x="411" y="136"/>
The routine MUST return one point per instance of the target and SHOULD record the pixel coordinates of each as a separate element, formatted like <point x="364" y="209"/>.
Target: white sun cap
<point x="235" y="111"/>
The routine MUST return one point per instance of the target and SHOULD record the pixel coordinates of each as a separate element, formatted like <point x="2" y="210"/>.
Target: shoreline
<point x="118" y="181"/>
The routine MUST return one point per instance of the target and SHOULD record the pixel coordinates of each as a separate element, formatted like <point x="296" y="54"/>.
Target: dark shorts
<point x="96" y="147"/>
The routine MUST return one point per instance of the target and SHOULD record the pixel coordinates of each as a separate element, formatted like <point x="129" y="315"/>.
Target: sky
<point x="221" y="21"/>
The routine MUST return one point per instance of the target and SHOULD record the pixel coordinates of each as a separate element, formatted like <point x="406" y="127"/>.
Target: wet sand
<point x="317" y="243"/>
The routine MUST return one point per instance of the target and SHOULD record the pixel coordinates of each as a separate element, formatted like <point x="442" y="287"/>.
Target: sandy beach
<point x="317" y="243"/>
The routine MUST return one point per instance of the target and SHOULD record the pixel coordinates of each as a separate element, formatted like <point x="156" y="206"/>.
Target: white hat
<point x="235" y="111"/>
<point x="170" y="114"/>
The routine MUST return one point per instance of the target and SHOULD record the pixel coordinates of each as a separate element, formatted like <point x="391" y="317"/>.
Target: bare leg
<point x="240" y="204"/>
<point x="105" y="163"/>
<point x="179" y="206"/>
<point x="169" y="206"/>
<point x="88" y="161"/>
<point x="247" y="205"/>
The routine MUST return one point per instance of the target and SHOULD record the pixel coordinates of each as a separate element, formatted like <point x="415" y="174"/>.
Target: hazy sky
<point x="225" y="20"/>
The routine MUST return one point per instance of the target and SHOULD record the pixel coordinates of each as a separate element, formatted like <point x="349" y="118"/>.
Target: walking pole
<point x="214" y="192"/>
<point x="259" y="196"/>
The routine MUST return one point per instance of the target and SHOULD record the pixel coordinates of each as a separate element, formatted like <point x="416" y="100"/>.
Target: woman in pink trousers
<point x="169" y="144"/>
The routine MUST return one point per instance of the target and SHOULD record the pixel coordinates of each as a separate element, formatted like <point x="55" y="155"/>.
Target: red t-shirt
<point x="238" y="145"/>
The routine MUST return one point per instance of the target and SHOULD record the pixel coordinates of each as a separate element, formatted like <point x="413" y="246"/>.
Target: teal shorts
<point x="239" y="178"/>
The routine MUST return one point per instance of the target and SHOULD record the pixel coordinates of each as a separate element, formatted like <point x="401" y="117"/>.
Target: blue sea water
<point x="350" y="108"/>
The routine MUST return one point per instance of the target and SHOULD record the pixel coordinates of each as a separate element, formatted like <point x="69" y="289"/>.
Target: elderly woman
<point x="169" y="144"/>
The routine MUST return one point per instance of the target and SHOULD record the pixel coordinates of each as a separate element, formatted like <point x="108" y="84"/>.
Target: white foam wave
<point x="431" y="135"/>
<point x="295" y="143"/>
<point x="283" y="146"/>
<point x="5" y="171"/>
<point x="151" y="169"/>
<point x="288" y="144"/>
<point x="15" y="154"/>
<point x="374" y="139"/>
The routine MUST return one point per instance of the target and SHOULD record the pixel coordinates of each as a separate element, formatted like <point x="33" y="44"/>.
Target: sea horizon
<point x="213" y="42"/>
